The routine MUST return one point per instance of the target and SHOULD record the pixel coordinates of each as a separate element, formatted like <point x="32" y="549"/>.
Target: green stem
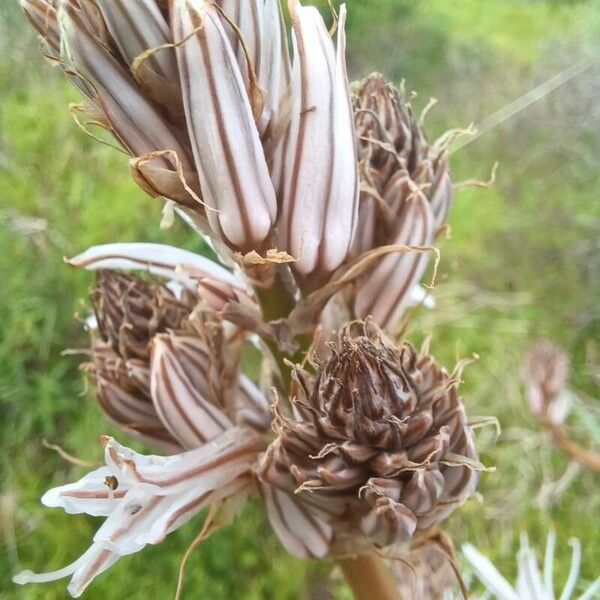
<point x="277" y="303"/>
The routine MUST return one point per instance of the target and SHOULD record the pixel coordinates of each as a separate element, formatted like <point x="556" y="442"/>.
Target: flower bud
<point x="405" y="198"/>
<point x="379" y="436"/>
<point x="228" y="154"/>
<point x="319" y="211"/>
<point x="546" y="372"/>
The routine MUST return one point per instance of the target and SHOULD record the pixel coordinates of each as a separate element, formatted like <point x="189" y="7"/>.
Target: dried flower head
<point x="131" y="311"/>
<point x="378" y="436"/>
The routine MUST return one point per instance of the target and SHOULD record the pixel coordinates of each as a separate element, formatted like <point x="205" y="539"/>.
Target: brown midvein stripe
<point x="300" y="138"/>
<point x="283" y="520"/>
<point x="416" y="262"/>
<point x="128" y="401"/>
<point x="126" y="16"/>
<point x="186" y="508"/>
<point x="402" y="258"/>
<point x="236" y="453"/>
<point x="315" y="524"/>
<point x="172" y="397"/>
<point x="218" y="114"/>
<point x="136" y="518"/>
<point x="198" y="399"/>
<point x="332" y="152"/>
<point x="91" y="571"/>
<point x="92" y="495"/>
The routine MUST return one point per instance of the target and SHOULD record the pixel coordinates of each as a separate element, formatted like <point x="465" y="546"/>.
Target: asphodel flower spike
<point x="321" y="177"/>
<point x="181" y="391"/>
<point x="277" y="167"/>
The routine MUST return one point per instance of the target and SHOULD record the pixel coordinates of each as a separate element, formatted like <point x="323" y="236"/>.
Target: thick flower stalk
<point x="377" y="438"/>
<point x="322" y="206"/>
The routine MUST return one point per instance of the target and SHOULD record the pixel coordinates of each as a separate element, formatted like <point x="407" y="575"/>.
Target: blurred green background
<point x="523" y="261"/>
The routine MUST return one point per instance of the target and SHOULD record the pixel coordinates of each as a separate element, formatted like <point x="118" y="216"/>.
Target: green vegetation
<point x="523" y="261"/>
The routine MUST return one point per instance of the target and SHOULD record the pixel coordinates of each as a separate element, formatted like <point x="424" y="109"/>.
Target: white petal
<point x="549" y="562"/>
<point x="573" y="572"/>
<point x="215" y="464"/>
<point x="488" y="574"/>
<point x="157" y="259"/>
<point x="274" y="73"/>
<point x="122" y="532"/>
<point x="529" y="580"/>
<point x="93" y="562"/>
<point x="97" y="560"/>
<point x="187" y="506"/>
<point x="592" y="592"/>
<point x="90" y="495"/>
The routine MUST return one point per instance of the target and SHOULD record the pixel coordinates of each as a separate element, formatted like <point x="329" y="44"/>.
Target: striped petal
<point x="137" y="26"/>
<point x="206" y="468"/>
<point x="385" y="292"/>
<point x="134" y="120"/>
<point x="321" y="191"/>
<point x="247" y="17"/>
<point x="442" y="193"/>
<point x="89" y="565"/>
<point x="42" y="15"/>
<point x="229" y="158"/>
<point x="488" y="574"/>
<point x="157" y="259"/>
<point x="253" y="407"/>
<point x="188" y="505"/>
<point x="301" y="532"/>
<point x="275" y="78"/>
<point x="91" y="495"/>
<point x="183" y="409"/>
<point x="133" y="414"/>
<point x="143" y="38"/>
<point x="275" y="69"/>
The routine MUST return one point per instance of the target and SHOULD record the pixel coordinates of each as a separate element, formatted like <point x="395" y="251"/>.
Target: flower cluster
<point x="322" y="205"/>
